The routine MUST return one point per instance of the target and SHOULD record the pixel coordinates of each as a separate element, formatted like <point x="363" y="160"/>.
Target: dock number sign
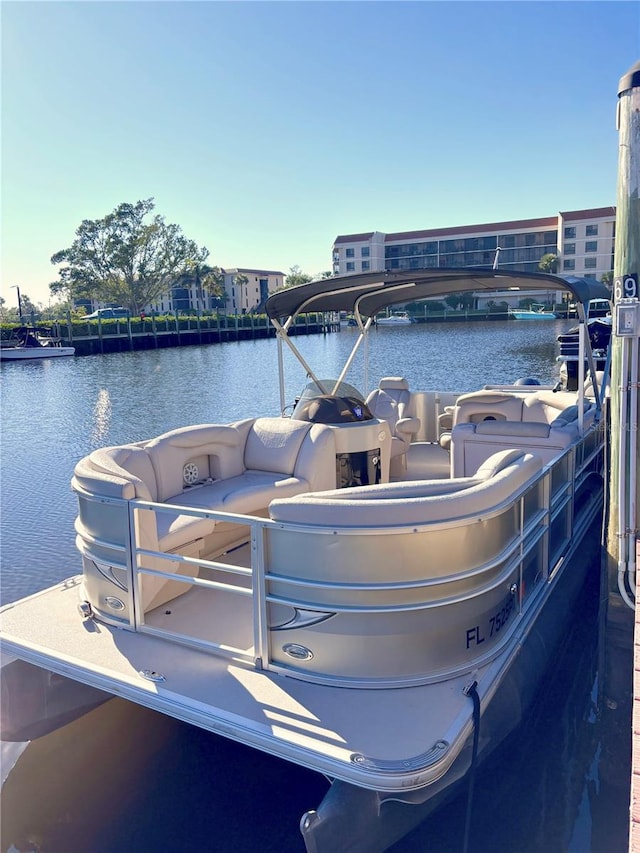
<point x="625" y="287"/>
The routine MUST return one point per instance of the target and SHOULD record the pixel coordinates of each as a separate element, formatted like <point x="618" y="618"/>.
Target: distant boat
<point x="347" y="320"/>
<point x="30" y="342"/>
<point x="400" y="319"/>
<point x="599" y="308"/>
<point x="535" y="312"/>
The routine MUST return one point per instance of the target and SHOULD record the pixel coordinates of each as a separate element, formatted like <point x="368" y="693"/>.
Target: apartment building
<point x="583" y="241"/>
<point x="245" y="290"/>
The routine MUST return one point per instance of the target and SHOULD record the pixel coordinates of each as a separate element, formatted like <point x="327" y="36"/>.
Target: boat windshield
<point x="329" y="401"/>
<point x="329" y="386"/>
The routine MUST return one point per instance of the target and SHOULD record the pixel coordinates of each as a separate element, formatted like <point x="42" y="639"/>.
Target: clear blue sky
<point x="265" y="129"/>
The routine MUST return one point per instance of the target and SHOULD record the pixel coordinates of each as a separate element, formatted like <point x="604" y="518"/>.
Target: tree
<point x="124" y="259"/>
<point x="549" y="263"/>
<point x="24" y="311"/>
<point x="468" y="301"/>
<point x="453" y="301"/>
<point x="213" y="283"/>
<point x="206" y="280"/>
<point x="296" y="276"/>
<point x="607" y="278"/>
<point x="240" y="281"/>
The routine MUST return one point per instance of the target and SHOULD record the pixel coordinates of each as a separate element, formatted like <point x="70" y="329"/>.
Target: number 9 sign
<point x="625" y="287"/>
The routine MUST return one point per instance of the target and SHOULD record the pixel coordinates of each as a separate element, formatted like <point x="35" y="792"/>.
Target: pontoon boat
<point x="370" y="588"/>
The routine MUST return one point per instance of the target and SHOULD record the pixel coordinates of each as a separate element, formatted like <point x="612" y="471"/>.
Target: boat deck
<point x="318" y="726"/>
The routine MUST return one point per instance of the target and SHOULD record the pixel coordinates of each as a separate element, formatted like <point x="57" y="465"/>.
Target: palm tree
<point x="549" y="263"/>
<point x="240" y="281"/>
<point x="212" y="282"/>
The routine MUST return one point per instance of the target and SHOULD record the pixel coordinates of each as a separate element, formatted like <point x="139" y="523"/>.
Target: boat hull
<point x="532" y="315"/>
<point x="23" y="353"/>
<point x="350" y="818"/>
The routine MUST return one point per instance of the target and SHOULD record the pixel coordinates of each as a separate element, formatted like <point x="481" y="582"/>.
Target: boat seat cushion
<point x="411" y="502"/>
<point x="546" y="406"/>
<point x="247" y="494"/>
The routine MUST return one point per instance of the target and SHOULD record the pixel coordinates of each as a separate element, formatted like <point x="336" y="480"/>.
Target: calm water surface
<point x="203" y="793"/>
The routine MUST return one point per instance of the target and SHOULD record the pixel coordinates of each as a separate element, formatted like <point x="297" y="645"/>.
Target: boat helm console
<point x="340" y="404"/>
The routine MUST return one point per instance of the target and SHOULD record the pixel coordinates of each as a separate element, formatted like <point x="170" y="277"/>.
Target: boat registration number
<point x="493" y="625"/>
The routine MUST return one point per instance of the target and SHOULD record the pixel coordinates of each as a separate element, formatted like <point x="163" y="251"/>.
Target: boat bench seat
<point x="544" y="423"/>
<point x="258" y="460"/>
<point x="235" y="468"/>
<point x="413" y="502"/>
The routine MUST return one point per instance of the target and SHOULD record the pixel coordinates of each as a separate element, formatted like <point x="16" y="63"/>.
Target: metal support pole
<point x="617" y="663"/>
<point x="626" y="278"/>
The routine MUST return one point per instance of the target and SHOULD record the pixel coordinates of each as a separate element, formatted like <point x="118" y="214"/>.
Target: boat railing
<point x="262" y="574"/>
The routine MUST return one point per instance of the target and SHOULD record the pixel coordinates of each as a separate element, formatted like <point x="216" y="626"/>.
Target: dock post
<point x="620" y="576"/>
<point x="626" y="270"/>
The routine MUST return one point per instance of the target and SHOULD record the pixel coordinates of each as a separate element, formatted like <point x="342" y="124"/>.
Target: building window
<point x="569" y="248"/>
<point x="350" y="253"/>
<point x="590" y="263"/>
<point x="569" y="265"/>
<point x="569" y="233"/>
<point x="365" y="266"/>
<point x="364" y="252"/>
<point x="592" y="230"/>
<point x="591" y="246"/>
<point x="351" y="267"/>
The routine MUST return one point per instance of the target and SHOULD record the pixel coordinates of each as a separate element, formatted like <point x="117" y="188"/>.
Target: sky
<point x="266" y="129"/>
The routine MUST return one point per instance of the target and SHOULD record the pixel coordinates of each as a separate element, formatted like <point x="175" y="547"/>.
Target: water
<point x="201" y="792"/>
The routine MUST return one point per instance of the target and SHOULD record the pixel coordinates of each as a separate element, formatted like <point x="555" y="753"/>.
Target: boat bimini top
<point x="365" y="294"/>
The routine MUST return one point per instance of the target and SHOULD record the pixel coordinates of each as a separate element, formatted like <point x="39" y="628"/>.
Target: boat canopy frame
<point x="364" y="295"/>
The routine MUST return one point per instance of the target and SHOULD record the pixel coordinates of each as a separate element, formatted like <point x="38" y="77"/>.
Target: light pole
<point x="19" y="302"/>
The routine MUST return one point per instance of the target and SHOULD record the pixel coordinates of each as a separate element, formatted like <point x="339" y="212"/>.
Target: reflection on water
<point x="101" y="417"/>
<point x="195" y="791"/>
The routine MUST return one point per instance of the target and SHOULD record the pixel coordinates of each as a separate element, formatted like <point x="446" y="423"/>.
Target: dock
<point x="144" y="333"/>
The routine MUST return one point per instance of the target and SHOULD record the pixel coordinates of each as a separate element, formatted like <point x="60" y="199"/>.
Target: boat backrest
<point x="164" y="467"/>
<point x="487" y="406"/>
<point x="391" y="401"/>
<point x="119" y="472"/>
<point x="545" y="406"/>
<point x="273" y="444"/>
<point x="211" y="451"/>
<point x="413" y="502"/>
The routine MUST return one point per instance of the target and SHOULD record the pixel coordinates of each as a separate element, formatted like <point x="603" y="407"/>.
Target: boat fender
<point x="472" y="691"/>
